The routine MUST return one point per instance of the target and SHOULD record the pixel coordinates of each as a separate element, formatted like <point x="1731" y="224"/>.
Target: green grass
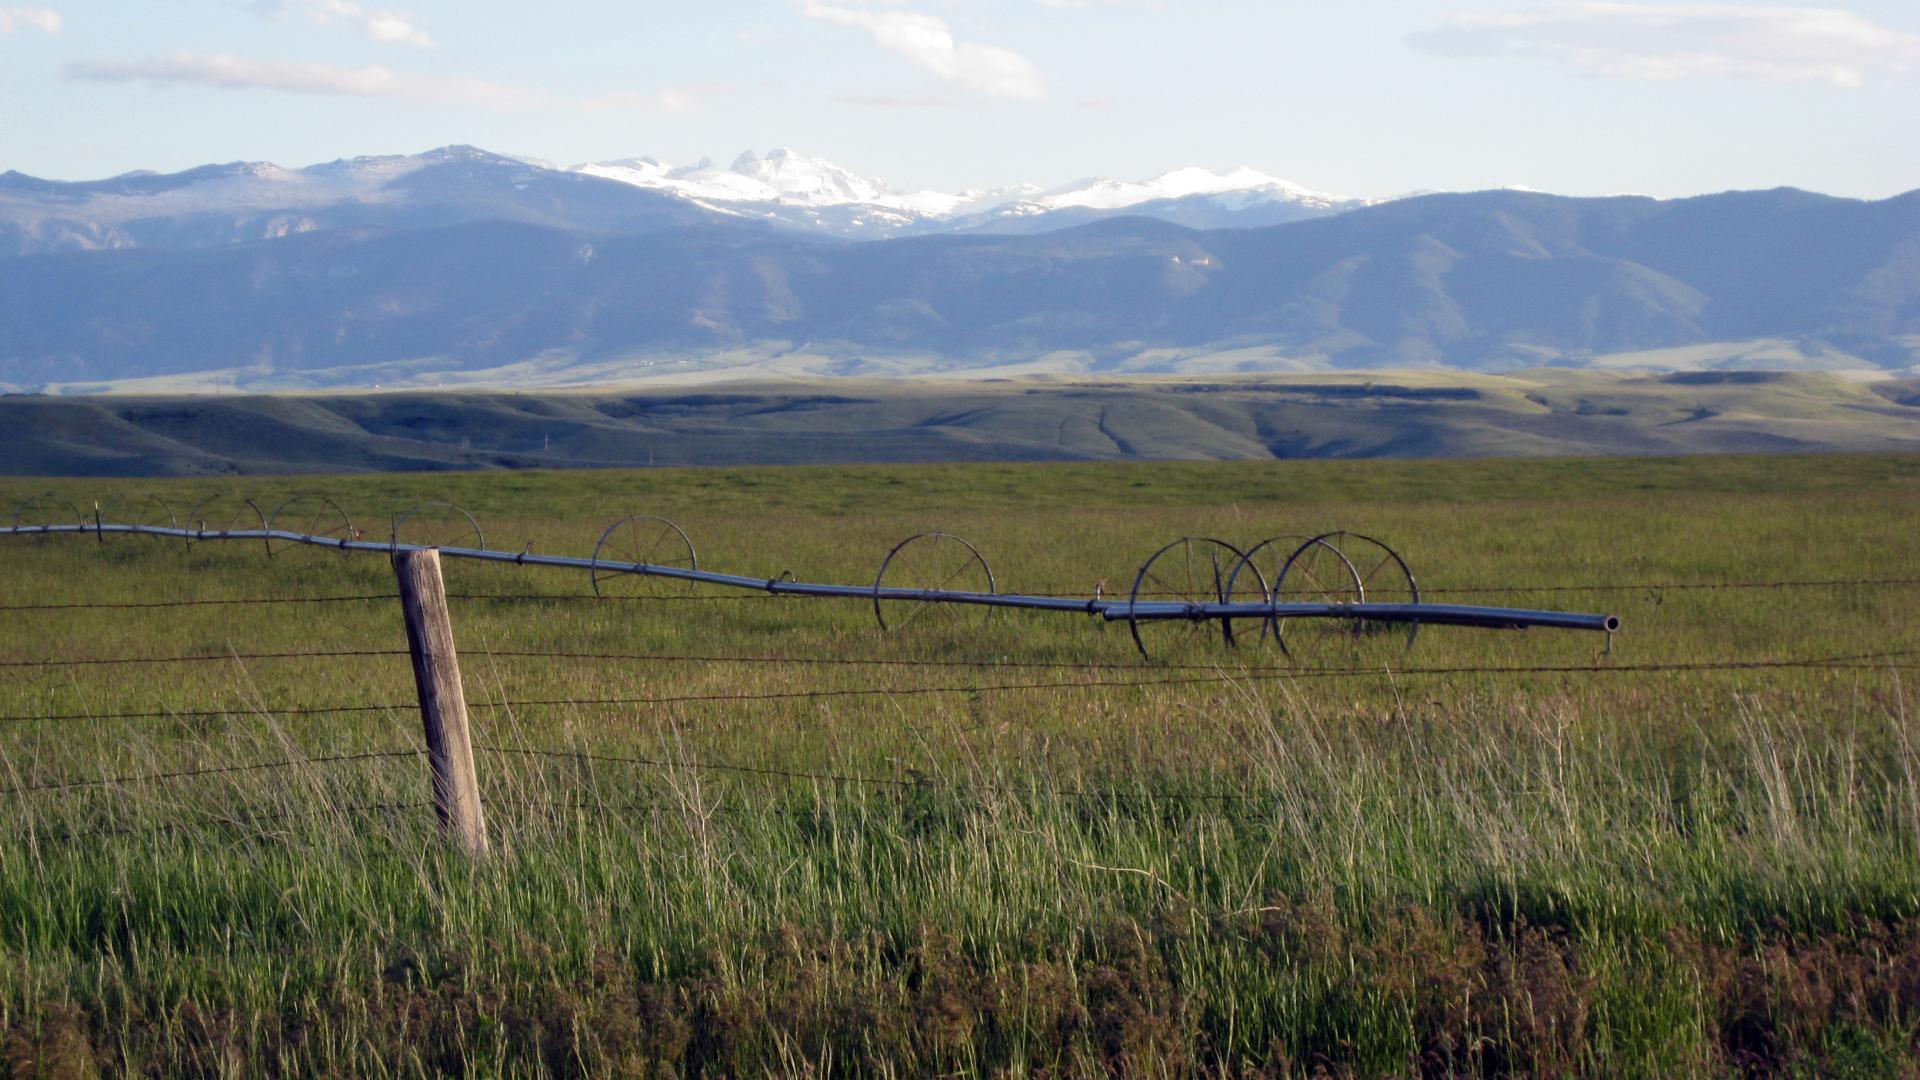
<point x="797" y="422"/>
<point x="1627" y="873"/>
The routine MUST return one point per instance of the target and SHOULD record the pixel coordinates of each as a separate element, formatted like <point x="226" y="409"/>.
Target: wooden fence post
<point x="443" y="701"/>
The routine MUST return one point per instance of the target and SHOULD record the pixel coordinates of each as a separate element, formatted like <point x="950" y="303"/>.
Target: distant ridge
<point x="838" y="421"/>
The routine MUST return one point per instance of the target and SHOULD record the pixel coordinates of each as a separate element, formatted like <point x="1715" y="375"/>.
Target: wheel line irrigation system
<point x="1208" y="580"/>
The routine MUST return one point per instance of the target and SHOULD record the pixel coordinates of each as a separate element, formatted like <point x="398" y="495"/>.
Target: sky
<point x="1373" y="99"/>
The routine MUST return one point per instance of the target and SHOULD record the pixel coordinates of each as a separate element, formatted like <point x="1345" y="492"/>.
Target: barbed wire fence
<point x="448" y="773"/>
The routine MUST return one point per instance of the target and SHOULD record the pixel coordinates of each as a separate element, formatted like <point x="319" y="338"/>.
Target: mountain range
<point x="239" y="201"/>
<point x="459" y="266"/>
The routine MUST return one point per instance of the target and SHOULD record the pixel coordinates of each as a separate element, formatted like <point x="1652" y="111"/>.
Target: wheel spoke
<point x="921" y="565"/>
<point x="1384" y="560"/>
<point x="1192" y="571"/>
<point x="949" y="579"/>
<point x="638" y="541"/>
<point x="1314" y="580"/>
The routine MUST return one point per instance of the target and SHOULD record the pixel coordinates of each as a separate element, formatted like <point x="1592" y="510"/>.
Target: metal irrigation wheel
<point x="1346" y="568"/>
<point x="929" y="562"/>
<point x="1257" y="577"/>
<point x="315" y="517"/>
<point x="1191" y="570"/>
<point x="219" y="514"/>
<point x="46" y="509"/>
<point x="647" y="540"/>
<point x="437" y="525"/>
<point x="145" y="510"/>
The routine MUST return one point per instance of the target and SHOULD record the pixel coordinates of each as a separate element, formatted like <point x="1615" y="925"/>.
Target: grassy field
<point x="1417" y="414"/>
<point x="1211" y="863"/>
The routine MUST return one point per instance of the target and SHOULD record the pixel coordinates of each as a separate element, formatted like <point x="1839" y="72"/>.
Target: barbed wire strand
<point x="1045" y="665"/>
<point x="233" y="820"/>
<point x="1308" y="673"/>
<point x="748" y="811"/>
<point x="810" y="661"/>
<point x="1677" y="586"/>
<point x="217" y="770"/>
<point x="1858" y="662"/>
<point x="651" y="808"/>
<point x="196" y="658"/>
<point x="880" y="781"/>
<point x="119" y="605"/>
<point x="204" y="714"/>
<point x="1656" y="586"/>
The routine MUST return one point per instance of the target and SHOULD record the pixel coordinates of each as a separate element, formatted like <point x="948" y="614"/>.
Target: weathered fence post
<point x="443" y="702"/>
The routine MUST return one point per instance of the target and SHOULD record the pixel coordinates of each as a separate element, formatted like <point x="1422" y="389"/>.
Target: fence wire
<point x="198" y="658"/>
<point x="1425" y="590"/>
<point x="1869" y="662"/>
<point x="213" y="770"/>
<point x="1202" y="675"/>
<point x="128" y="605"/>
<point x="878" y="781"/>
<point x="211" y="821"/>
<point x="1225" y="669"/>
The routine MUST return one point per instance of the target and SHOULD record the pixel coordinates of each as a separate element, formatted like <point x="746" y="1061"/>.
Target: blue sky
<point x="1376" y="98"/>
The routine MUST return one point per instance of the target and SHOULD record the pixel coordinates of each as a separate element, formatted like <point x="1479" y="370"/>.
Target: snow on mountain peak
<point x="804" y="178"/>
<point x="1105" y="194"/>
<point x="785" y="182"/>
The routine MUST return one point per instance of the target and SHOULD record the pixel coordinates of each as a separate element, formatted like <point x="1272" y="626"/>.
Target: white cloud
<point x="45" y="20"/>
<point x="1761" y="43"/>
<point x="387" y="27"/>
<point x="372" y="81"/>
<point x="928" y="42"/>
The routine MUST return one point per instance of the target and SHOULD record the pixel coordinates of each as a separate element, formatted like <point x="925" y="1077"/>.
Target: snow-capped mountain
<point x="1249" y="184"/>
<point x="807" y="190"/>
<point x="789" y="191"/>
<point x="1195" y="197"/>
<point x="801" y="189"/>
<point x="459" y="262"/>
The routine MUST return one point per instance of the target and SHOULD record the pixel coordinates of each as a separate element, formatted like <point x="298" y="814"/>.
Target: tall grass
<point x="1621" y="874"/>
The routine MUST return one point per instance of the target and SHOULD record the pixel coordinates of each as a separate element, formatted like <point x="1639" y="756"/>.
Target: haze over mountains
<point x="462" y="266"/>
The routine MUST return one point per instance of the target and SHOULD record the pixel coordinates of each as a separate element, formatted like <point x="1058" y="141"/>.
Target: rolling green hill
<point x="850" y="420"/>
